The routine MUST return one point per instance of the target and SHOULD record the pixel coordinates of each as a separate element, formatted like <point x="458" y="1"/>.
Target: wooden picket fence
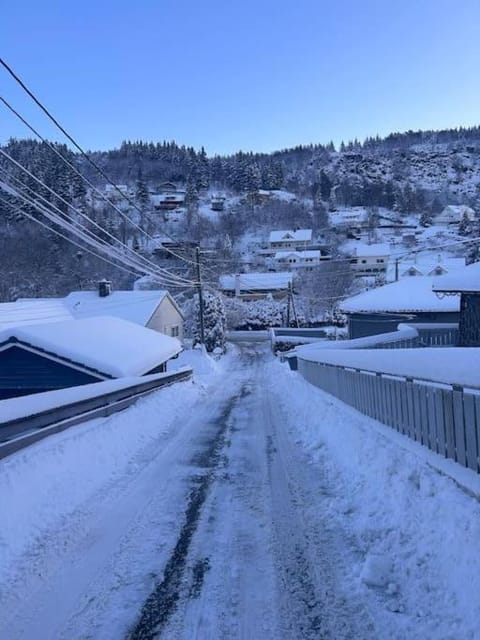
<point x="445" y="418"/>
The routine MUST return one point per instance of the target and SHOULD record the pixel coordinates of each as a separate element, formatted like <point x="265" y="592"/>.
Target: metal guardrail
<point x="443" y="417"/>
<point x="21" y="432"/>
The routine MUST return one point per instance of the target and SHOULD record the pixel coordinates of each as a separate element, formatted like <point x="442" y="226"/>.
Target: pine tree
<point x="214" y="322"/>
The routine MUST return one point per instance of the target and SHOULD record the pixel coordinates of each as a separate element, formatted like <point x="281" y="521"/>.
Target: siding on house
<point x="167" y="319"/>
<point x="361" y="325"/>
<point x="23" y="371"/>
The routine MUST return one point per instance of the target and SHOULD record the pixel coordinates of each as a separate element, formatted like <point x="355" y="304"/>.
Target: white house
<point x="290" y="239"/>
<point x="370" y="259"/>
<point x="454" y="213"/>
<point x="155" y="310"/>
<point x="297" y="259"/>
<point x="168" y="200"/>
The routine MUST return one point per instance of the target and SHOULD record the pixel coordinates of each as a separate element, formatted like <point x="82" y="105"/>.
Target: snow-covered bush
<point x="214" y="321"/>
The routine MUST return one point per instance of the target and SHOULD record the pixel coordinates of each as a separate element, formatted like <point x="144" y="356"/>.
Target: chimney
<point x="104" y="288"/>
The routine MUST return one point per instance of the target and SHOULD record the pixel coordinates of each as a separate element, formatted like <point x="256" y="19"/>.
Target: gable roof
<point x="111" y="346"/>
<point x="300" y="235"/>
<point x="257" y="281"/>
<point x="134" y="306"/>
<point x="408" y="295"/>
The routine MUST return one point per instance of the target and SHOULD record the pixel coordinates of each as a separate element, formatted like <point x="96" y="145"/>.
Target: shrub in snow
<point x="255" y="314"/>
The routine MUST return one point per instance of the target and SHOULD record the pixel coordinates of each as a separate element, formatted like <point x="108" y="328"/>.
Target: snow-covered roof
<point x="458" y="209"/>
<point x="135" y="306"/>
<point x="302" y="255"/>
<point x="425" y="265"/>
<point x="300" y="235"/>
<point x="364" y="250"/>
<point x="112" y="346"/>
<point x="464" y="280"/>
<point x="33" y="311"/>
<point x="405" y="296"/>
<point x="257" y="281"/>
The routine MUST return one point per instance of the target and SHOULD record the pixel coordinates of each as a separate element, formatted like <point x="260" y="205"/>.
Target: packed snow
<point x="316" y="522"/>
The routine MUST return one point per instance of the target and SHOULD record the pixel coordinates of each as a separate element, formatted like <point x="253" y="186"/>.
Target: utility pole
<point x="396" y="269"/>
<point x="200" y="294"/>
<point x="288" y="305"/>
<point x="290" y="292"/>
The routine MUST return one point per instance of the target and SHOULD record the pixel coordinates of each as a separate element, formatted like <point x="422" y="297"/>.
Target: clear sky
<point x="241" y="74"/>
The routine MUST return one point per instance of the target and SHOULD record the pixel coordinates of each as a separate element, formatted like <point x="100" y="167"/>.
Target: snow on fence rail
<point x="100" y="401"/>
<point x="443" y="417"/>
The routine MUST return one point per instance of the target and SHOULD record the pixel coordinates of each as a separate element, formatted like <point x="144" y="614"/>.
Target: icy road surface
<point x="209" y="511"/>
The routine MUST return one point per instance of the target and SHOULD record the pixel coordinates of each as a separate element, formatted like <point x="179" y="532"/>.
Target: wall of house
<point x="469" y="325"/>
<point x="361" y="325"/>
<point x="23" y="372"/>
<point x="167" y="320"/>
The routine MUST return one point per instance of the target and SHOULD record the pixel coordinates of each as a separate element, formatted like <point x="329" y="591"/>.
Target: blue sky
<point x="241" y="74"/>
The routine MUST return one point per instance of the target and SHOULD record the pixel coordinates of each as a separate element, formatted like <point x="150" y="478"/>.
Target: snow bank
<point x="415" y="530"/>
<point x="446" y="365"/>
<point x="42" y="485"/>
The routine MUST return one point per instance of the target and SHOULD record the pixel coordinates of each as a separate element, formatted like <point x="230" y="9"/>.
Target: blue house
<point x="58" y="355"/>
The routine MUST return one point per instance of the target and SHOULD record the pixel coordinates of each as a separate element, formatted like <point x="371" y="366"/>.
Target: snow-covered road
<point x="246" y="505"/>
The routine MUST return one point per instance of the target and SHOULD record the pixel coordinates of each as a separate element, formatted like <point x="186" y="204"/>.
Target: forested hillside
<point x="413" y="172"/>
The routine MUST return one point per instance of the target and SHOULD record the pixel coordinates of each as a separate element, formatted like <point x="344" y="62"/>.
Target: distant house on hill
<point x="370" y="259"/>
<point x="290" y="239"/>
<point x="256" y="286"/>
<point x="423" y="265"/>
<point x="58" y="355"/>
<point x="297" y="259"/>
<point x="380" y="310"/>
<point x="217" y="203"/>
<point x="453" y="214"/>
<point x="466" y="284"/>
<point x="116" y="192"/>
<point x="167" y="200"/>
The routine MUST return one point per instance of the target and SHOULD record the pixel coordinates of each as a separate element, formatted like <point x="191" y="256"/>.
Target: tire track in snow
<point x="163" y="600"/>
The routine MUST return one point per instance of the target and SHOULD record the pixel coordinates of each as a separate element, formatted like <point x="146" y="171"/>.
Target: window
<point x="175" y="331"/>
<point x="379" y="259"/>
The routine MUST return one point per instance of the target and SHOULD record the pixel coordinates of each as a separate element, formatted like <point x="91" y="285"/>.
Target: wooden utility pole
<point x="200" y="295"/>
<point x="290" y="293"/>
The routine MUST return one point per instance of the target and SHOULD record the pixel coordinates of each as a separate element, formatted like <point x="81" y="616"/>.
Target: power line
<point x="67" y="238"/>
<point x="77" y="211"/>
<point x="90" y="239"/>
<point x="79" y="148"/>
<point x="147" y="264"/>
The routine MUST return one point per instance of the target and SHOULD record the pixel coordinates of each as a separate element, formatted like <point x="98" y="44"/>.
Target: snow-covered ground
<point x="247" y="504"/>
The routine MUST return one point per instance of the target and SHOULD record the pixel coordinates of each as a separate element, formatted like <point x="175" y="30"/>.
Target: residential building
<point x="369" y="259"/>
<point x="290" y="239"/>
<point x="155" y="310"/>
<point x="466" y="285"/>
<point x="454" y="213"/>
<point x="380" y="310"/>
<point x="297" y="259"/>
<point x="57" y="355"/>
